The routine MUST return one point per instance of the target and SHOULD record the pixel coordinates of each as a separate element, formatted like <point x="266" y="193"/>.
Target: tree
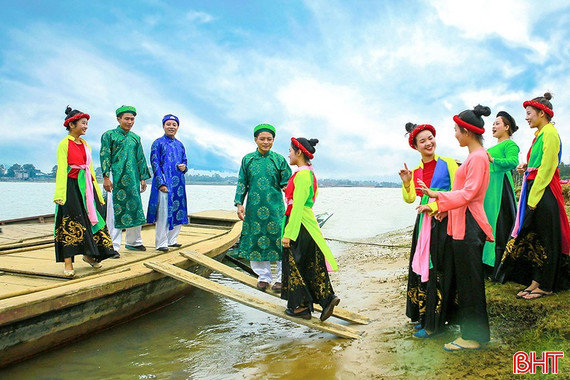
<point x="30" y="170"/>
<point x="13" y="169"/>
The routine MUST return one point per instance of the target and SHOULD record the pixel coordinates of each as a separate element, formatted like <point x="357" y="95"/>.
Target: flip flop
<point x="540" y="295"/>
<point x="522" y="290"/>
<point x="459" y="347"/>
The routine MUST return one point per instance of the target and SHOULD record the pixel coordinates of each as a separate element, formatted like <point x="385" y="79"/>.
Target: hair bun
<point x="313" y="142"/>
<point x="547" y="95"/>
<point x="410" y="127"/>
<point x="68" y="110"/>
<point x="480" y="110"/>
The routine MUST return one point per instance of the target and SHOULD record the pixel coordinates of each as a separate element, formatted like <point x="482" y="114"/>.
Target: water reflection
<point x="199" y="337"/>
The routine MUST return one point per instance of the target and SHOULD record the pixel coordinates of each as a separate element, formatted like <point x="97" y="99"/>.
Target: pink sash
<point x="420" y="262"/>
<point x="89" y="196"/>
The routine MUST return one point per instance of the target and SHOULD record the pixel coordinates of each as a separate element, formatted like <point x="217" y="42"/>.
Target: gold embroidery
<point x="69" y="232"/>
<point x="528" y="248"/>
<point x="103" y="239"/>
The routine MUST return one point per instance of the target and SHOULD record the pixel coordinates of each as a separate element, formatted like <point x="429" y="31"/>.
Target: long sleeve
<point x="156" y="164"/>
<point x="548" y="165"/>
<point x="105" y="154"/>
<point x="242" y="184"/>
<point x="449" y="200"/>
<point x="61" y="174"/>
<point x="301" y="193"/>
<point x="285" y="171"/>
<point x="141" y="162"/>
<point x="184" y="159"/>
<point x="410" y="194"/>
<point x="92" y="172"/>
<point x="511" y="159"/>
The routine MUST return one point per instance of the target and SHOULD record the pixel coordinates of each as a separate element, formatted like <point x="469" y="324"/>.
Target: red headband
<point x="418" y="129"/>
<point x="75" y="117"/>
<point x="466" y="125"/>
<point x="540" y="106"/>
<point x="303" y="149"/>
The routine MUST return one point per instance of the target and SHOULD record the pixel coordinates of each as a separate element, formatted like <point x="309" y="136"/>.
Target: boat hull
<point x="43" y="320"/>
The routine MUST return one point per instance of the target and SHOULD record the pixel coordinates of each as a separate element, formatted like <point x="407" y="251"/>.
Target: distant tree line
<point x="28" y="172"/>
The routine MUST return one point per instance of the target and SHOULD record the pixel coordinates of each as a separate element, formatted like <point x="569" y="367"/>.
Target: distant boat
<point x="40" y="309"/>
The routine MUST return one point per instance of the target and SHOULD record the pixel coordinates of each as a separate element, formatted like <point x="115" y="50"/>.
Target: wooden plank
<point x="246" y="299"/>
<point x="252" y="282"/>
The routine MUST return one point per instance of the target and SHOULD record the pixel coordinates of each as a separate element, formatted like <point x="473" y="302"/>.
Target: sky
<point x="350" y="73"/>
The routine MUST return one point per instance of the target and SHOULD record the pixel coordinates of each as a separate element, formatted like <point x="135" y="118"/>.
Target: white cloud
<point x="199" y="17"/>
<point x="511" y="20"/>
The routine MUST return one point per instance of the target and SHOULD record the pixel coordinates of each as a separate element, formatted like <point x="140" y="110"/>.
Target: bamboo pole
<point x="249" y="300"/>
<point x="252" y="282"/>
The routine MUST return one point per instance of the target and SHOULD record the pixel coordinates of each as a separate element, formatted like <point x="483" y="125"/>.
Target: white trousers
<point x="263" y="270"/>
<point x="164" y="237"/>
<point x="133" y="234"/>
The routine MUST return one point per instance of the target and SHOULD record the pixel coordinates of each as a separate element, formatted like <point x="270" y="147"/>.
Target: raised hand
<point x="405" y="175"/>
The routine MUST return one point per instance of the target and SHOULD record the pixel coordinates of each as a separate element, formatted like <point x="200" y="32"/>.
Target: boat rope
<point x="374" y="244"/>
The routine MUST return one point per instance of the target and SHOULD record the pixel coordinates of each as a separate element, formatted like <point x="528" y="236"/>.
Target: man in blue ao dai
<point x="167" y="203"/>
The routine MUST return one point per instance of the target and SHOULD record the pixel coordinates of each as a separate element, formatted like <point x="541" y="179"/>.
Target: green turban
<point x="124" y="109"/>
<point x="263" y="128"/>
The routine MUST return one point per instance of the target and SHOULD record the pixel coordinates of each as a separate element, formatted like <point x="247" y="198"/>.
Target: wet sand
<point x="372" y="281"/>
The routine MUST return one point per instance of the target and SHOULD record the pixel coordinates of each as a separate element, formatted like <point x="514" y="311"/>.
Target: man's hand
<point x="107" y="185"/>
<point x="143" y="186"/>
<point x="181" y="167"/>
<point x="240" y="212"/>
<point x="286" y="242"/>
<point x="163" y="188"/>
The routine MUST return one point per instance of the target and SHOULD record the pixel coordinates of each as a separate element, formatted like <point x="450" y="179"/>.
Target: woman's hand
<point x="406" y="176"/>
<point x="521" y="168"/>
<point x="143" y="186"/>
<point x="423" y="208"/>
<point x="181" y="167"/>
<point x="441" y="215"/>
<point x="163" y="188"/>
<point x="286" y="242"/>
<point x="426" y="190"/>
<point x="491" y="159"/>
<point x="59" y="202"/>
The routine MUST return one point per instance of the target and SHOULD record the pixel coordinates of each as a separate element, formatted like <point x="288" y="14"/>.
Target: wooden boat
<point x="41" y="309"/>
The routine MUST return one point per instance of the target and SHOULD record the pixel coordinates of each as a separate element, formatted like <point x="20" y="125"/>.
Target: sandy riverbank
<point x="372" y="281"/>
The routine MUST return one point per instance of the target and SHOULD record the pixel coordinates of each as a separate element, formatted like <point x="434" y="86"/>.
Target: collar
<point x="69" y="137"/>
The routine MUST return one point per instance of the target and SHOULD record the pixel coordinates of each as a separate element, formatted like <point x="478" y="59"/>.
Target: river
<point x="203" y="336"/>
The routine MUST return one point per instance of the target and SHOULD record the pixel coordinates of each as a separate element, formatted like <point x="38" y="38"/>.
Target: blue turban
<point x="170" y="117"/>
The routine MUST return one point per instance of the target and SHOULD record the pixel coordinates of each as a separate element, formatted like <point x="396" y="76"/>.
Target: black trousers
<point x="470" y="282"/>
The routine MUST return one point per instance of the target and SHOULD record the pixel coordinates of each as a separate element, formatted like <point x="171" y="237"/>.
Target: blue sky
<point x="350" y="73"/>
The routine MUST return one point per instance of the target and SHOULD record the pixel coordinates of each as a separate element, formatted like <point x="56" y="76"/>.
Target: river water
<point x="203" y="336"/>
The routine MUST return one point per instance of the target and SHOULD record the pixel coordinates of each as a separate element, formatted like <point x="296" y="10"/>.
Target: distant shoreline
<point x="323" y="183"/>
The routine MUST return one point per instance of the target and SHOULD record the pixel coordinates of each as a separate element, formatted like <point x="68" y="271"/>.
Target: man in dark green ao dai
<point x="262" y="176"/>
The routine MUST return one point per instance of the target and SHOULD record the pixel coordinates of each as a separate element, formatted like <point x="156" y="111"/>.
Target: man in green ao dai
<point x="262" y="176"/>
<point x="125" y="170"/>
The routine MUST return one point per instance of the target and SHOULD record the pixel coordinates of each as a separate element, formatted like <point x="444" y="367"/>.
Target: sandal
<point x="329" y="309"/>
<point x="95" y="264"/>
<point x="69" y="273"/>
<point x="452" y="346"/>
<point x="523" y="291"/>
<point x="305" y="314"/>
<point x="539" y="295"/>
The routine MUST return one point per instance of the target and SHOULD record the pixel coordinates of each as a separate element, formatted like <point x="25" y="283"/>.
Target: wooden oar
<point x="251" y="281"/>
<point x="249" y="300"/>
